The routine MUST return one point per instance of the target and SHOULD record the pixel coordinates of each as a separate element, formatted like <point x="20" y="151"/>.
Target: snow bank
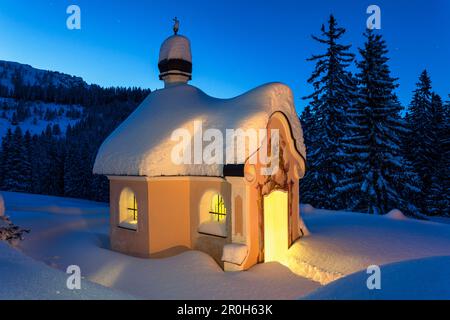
<point x="445" y="220"/>
<point x="82" y="239"/>
<point x="142" y="144"/>
<point x="306" y="208"/>
<point x="420" y="279"/>
<point x="396" y="214"/>
<point x="24" y="278"/>
<point x="309" y="271"/>
<point x="50" y="204"/>
<point x="342" y="243"/>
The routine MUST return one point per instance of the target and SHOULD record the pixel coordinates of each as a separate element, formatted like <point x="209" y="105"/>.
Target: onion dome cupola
<point x="175" y="58"/>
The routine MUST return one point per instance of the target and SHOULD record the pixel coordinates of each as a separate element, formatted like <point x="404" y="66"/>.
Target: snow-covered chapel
<point x="231" y="211"/>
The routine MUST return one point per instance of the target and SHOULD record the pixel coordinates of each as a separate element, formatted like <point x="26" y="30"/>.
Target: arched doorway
<point x="276" y="230"/>
<point x="275" y="196"/>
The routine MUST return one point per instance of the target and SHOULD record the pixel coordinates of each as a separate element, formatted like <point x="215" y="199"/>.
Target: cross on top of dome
<point x="175" y="58"/>
<point x="176" y="25"/>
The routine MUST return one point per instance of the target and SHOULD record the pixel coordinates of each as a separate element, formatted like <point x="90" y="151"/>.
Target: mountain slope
<point x="51" y="125"/>
<point x="11" y="72"/>
<point x="26" y="94"/>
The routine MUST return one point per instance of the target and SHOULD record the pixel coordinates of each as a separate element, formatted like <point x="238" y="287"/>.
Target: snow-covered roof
<point x="142" y="145"/>
<point x="175" y="47"/>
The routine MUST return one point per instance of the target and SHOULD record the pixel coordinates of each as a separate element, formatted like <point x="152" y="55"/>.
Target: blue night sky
<point x="236" y="45"/>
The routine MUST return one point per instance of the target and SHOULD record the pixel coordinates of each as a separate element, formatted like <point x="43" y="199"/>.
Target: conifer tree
<point x="27" y="159"/>
<point x="307" y="122"/>
<point x="77" y="170"/>
<point x="419" y="143"/>
<point x="14" y="176"/>
<point x="333" y="95"/>
<point x="5" y="157"/>
<point x="379" y="179"/>
<point x="436" y="198"/>
<point x="427" y="146"/>
<point x="446" y="156"/>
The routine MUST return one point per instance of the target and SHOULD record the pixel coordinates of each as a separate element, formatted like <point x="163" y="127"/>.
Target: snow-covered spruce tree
<point x="307" y="122"/>
<point x="425" y="143"/>
<point x="378" y="179"/>
<point x="419" y="144"/>
<point x="4" y="157"/>
<point x="446" y="155"/>
<point x="27" y="173"/>
<point x="436" y="198"/>
<point x="333" y="95"/>
<point x="437" y="201"/>
<point x="48" y="164"/>
<point x="309" y="127"/>
<point x="15" y="166"/>
<point x="77" y="173"/>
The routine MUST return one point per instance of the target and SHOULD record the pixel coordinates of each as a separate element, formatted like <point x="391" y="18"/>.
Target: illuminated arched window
<point x="218" y="211"/>
<point x="128" y="209"/>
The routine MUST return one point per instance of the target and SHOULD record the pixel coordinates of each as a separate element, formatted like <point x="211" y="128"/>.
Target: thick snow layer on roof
<point x="176" y="47"/>
<point x="142" y="145"/>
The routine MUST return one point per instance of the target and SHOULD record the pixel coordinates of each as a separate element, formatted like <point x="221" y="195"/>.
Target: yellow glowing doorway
<point x="275" y="225"/>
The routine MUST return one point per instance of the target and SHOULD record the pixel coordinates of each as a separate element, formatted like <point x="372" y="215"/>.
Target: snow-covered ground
<point x="342" y="243"/>
<point x="22" y="277"/>
<point x="421" y="279"/>
<point x="341" y="246"/>
<point x="75" y="232"/>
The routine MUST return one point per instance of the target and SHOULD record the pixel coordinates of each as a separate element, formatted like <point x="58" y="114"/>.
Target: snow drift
<point x="342" y="243"/>
<point x="413" y="256"/>
<point x="420" y="279"/>
<point x="24" y="278"/>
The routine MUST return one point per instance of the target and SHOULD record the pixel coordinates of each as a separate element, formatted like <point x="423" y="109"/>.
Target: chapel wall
<point x="132" y="242"/>
<point x="199" y="187"/>
<point x="169" y="214"/>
